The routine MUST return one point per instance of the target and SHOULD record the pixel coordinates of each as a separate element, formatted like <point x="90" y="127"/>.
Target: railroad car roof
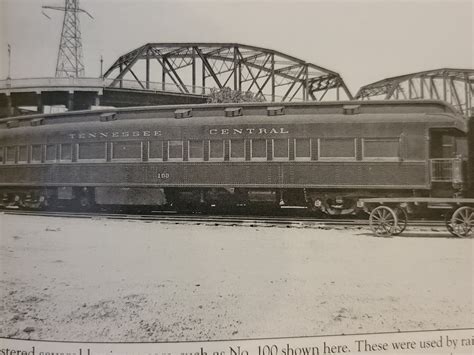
<point x="440" y="121"/>
<point x="423" y="111"/>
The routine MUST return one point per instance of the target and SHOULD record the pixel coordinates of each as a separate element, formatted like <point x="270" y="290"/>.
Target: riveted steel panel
<point x="356" y="174"/>
<point x="297" y="174"/>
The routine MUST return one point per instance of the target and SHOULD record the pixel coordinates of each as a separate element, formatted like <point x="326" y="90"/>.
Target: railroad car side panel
<point x="266" y="174"/>
<point x="370" y="175"/>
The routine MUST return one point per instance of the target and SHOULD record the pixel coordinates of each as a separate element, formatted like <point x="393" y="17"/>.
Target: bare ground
<point x="103" y="280"/>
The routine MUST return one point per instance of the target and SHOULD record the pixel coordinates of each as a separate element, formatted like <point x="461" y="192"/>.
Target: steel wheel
<point x="402" y="220"/>
<point x="447" y="223"/>
<point x="383" y="221"/>
<point x="462" y="222"/>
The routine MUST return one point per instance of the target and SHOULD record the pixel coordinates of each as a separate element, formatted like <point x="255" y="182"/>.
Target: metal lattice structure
<point x="455" y="86"/>
<point x="69" y="62"/>
<point x="198" y="67"/>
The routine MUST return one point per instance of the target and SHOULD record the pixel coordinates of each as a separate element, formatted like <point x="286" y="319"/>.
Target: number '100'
<point x="268" y="350"/>
<point x="163" y="175"/>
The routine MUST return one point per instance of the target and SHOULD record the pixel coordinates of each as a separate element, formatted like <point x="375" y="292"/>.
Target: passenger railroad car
<point x="319" y="155"/>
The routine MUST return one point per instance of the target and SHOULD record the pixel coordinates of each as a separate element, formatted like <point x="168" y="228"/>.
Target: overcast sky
<point x="364" y="41"/>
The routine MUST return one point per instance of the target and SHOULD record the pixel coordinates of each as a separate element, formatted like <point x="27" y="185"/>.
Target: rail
<point x="292" y="220"/>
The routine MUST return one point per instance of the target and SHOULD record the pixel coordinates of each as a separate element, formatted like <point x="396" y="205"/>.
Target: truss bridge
<point x="193" y="73"/>
<point x="180" y="73"/>
<point x="455" y="86"/>
<point x="198" y="68"/>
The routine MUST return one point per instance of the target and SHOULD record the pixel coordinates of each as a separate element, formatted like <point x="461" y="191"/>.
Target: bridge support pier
<point x="70" y="101"/>
<point x="9" y="105"/>
<point x="39" y="103"/>
<point x="97" y="100"/>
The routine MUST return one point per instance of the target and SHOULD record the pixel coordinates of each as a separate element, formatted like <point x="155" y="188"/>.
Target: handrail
<point x="446" y="170"/>
<point x="108" y="83"/>
<point x="25" y="83"/>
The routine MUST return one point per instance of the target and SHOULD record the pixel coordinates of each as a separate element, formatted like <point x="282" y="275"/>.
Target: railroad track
<point x="219" y="220"/>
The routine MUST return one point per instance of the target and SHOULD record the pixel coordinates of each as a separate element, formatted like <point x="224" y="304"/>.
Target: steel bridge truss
<point x="455" y="86"/>
<point x="195" y="68"/>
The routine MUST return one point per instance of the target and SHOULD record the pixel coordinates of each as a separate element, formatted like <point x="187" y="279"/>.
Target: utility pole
<point x="101" y="65"/>
<point x="9" y="61"/>
<point x="69" y="62"/>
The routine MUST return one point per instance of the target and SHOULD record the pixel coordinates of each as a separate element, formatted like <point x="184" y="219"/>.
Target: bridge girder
<point x="455" y="86"/>
<point x="197" y="67"/>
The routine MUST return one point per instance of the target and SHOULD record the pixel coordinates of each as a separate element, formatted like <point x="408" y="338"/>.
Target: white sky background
<point x="364" y="41"/>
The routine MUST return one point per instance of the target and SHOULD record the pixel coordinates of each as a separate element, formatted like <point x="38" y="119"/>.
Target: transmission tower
<point x="70" y="62"/>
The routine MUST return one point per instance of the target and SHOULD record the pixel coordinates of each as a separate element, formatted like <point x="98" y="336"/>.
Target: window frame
<point x="125" y="159"/>
<point x="94" y="160"/>
<point x="353" y="158"/>
<point x="15" y="158"/>
<point x="189" y="150"/>
<point x="61" y="160"/>
<point x="46" y="160"/>
<point x="148" y="151"/>
<point x="252" y="158"/>
<point x="230" y="150"/>
<point x="168" y="150"/>
<point x="397" y="158"/>
<point x="310" y="150"/>
<point x="27" y="154"/>
<point x="223" y="149"/>
<point x="288" y="151"/>
<point x="32" y="161"/>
